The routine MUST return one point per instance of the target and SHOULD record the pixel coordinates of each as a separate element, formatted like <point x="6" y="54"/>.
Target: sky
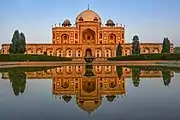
<point x="151" y="20"/>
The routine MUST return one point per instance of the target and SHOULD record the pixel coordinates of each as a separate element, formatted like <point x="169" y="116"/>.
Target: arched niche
<point x="39" y="51"/>
<point x="59" y="69"/>
<point x="64" y="84"/>
<point x="59" y="52"/>
<point x="146" y="50"/>
<point x="79" y="52"/>
<point x="98" y="52"/>
<point x="69" y="52"/>
<point x="156" y="50"/>
<point x="89" y="86"/>
<point x="98" y="69"/>
<point x="108" y="69"/>
<point x="88" y="35"/>
<point x="49" y="51"/>
<point x="112" y="38"/>
<point x="79" y="69"/>
<point x="112" y="83"/>
<point x="88" y="53"/>
<point x="108" y="52"/>
<point x="69" y="69"/>
<point x="65" y="38"/>
<point x="127" y="51"/>
<point x="29" y="51"/>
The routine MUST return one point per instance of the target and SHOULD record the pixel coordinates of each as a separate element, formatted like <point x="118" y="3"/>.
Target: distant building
<point x="88" y="34"/>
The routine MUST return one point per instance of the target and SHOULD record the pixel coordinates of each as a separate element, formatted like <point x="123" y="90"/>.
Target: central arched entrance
<point x="89" y="86"/>
<point x="88" y="53"/>
<point x="88" y="36"/>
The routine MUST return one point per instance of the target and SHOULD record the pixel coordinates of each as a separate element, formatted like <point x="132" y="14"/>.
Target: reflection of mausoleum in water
<point x="69" y="81"/>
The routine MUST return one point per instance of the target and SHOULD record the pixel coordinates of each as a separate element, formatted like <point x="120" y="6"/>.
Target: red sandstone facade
<point x="88" y="33"/>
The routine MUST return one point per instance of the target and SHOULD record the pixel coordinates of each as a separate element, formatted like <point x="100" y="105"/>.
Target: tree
<point x="136" y="76"/>
<point x="135" y="45"/>
<point x="18" y="81"/>
<point x="166" y="75"/>
<point x="119" y="50"/>
<point x="18" y="45"/>
<point x="119" y="71"/>
<point x="23" y="43"/>
<point x="166" y="46"/>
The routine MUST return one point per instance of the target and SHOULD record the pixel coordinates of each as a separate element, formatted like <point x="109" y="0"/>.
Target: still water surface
<point x="89" y="92"/>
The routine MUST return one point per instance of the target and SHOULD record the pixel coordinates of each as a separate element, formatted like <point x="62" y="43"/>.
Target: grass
<point x="26" y="69"/>
<point x="158" y="56"/>
<point x="30" y="57"/>
<point x="155" y="68"/>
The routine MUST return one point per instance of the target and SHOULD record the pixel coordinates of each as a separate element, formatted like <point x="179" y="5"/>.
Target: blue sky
<point x="152" y="20"/>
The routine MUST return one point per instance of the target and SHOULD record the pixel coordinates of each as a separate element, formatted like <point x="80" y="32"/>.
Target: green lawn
<point x="158" y="56"/>
<point x="26" y="69"/>
<point x="30" y="57"/>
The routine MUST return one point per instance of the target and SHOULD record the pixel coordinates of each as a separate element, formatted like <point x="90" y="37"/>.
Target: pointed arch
<point x="59" y="52"/>
<point x="69" y="52"/>
<point x="79" y="52"/>
<point x="98" y="52"/>
<point x="108" y="69"/>
<point x="108" y="52"/>
<point x="65" y="38"/>
<point x="88" y="35"/>
<point x="39" y="51"/>
<point x="156" y="50"/>
<point x="64" y="83"/>
<point x="112" y="38"/>
<point x="29" y="51"/>
<point x="88" y="86"/>
<point x="88" y="52"/>
<point x="146" y="50"/>
<point x="112" y="83"/>
<point x="49" y="51"/>
<point x="128" y="51"/>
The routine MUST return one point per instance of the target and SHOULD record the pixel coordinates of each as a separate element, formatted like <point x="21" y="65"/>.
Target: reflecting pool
<point x="90" y="92"/>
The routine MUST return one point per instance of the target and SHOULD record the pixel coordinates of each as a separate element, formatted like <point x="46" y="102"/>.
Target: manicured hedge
<point x="158" y="56"/>
<point x="156" y="68"/>
<point x="30" y="57"/>
<point x="26" y="69"/>
<point x="153" y="68"/>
